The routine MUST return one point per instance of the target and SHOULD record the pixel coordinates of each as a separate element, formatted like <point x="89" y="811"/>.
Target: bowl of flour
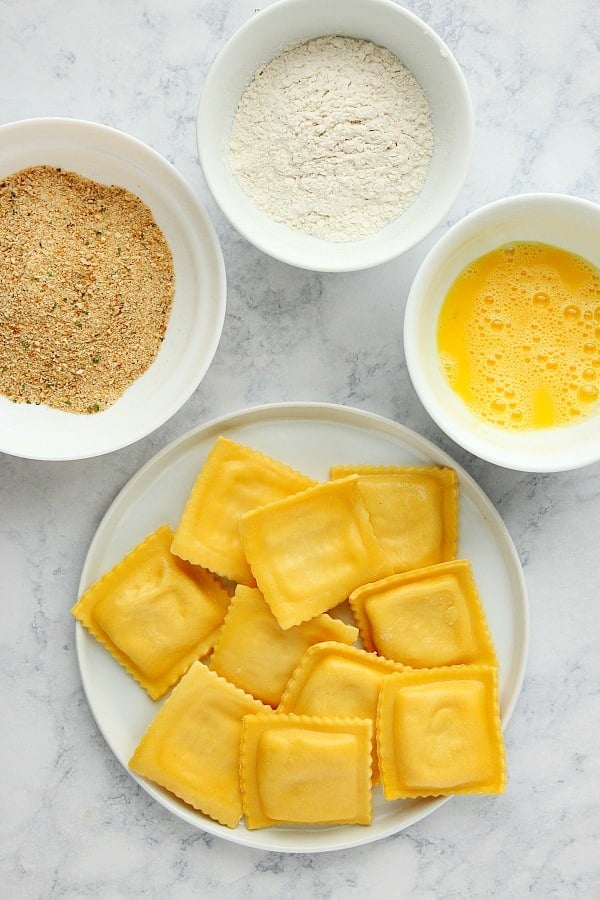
<point x="335" y="136"/>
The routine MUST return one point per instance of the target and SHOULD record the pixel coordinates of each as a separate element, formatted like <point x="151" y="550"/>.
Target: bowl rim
<point x="478" y="440"/>
<point x="353" y="257"/>
<point x="12" y="440"/>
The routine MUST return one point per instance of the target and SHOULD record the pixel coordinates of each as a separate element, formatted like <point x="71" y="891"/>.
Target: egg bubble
<point x="541" y="298"/>
<point x="587" y="393"/>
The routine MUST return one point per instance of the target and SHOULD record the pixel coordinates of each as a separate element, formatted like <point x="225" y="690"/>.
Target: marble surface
<point x="73" y="823"/>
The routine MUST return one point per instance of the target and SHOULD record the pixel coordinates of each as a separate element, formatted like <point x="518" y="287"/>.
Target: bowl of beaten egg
<point x="335" y="136"/>
<point x="502" y="332"/>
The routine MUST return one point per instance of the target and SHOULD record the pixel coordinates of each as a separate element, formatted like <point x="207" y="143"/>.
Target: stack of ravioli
<point x="278" y="709"/>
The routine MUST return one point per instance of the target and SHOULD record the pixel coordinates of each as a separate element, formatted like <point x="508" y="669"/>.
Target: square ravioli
<point x="310" y="551"/>
<point x="336" y="680"/>
<point x="414" y="511"/>
<point x="233" y="480"/>
<point x="155" y="613"/>
<point x="428" y="617"/>
<point x="192" y="746"/>
<point x="439" y="733"/>
<point x="299" y="770"/>
<point x="256" y="654"/>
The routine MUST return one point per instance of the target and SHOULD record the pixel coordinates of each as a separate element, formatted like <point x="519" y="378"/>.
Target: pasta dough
<point x="335" y="680"/>
<point x="192" y="747"/>
<point x="233" y="480"/>
<point x="257" y="655"/>
<point x="429" y="617"/>
<point x="155" y="613"/>
<point x="306" y="770"/>
<point x="438" y="732"/>
<point x="309" y="551"/>
<point x="413" y="510"/>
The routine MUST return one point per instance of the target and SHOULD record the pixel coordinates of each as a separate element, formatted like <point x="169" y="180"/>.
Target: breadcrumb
<point x="86" y="289"/>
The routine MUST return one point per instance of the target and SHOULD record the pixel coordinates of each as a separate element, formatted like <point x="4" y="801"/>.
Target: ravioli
<point x="336" y="680"/>
<point x="439" y="733"/>
<point x="309" y="551"/>
<point x="192" y="746"/>
<point x="428" y="617"/>
<point x="305" y="771"/>
<point x="233" y="480"/>
<point x="256" y="654"/>
<point x="413" y="510"/>
<point x="155" y="613"/>
<point x="286" y="722"/>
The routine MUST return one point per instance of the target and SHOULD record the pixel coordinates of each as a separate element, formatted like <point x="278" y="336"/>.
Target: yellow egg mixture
<point x="519" y="336"/>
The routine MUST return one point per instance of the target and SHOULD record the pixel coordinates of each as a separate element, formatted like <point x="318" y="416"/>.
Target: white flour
<point x="333" y="137"/>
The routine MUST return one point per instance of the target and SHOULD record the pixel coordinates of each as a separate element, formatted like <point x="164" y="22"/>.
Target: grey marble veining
<point x="73" y="822"/>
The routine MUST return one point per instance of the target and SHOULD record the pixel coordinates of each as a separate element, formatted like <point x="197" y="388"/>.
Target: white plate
<point x="113" y="157"/>
<point x="309" y="437"/>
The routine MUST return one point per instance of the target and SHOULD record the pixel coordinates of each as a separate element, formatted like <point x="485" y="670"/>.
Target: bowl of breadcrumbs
<point x="112" y="289"/>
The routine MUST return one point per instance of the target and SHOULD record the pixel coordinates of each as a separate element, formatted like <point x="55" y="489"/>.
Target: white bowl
<point x="112" y="157"/>
<point x="383" y="22"/>
<point x="563" y="221"/>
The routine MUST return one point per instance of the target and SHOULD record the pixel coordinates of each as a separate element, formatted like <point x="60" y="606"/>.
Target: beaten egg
<point x="519" y="336"/>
